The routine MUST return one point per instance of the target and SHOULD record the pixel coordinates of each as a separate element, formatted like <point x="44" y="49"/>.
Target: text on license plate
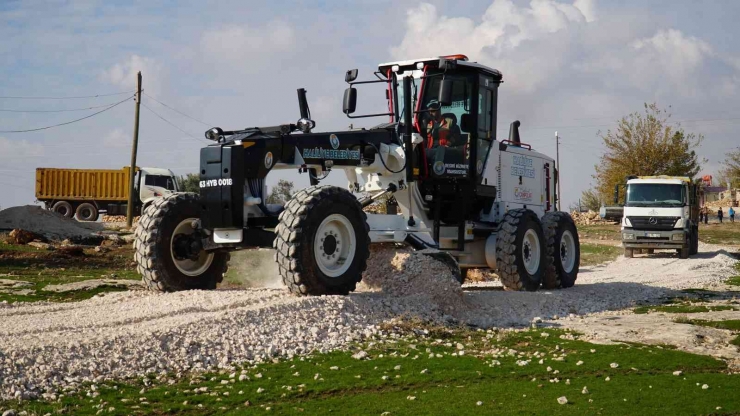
<point x="653" y="235"/>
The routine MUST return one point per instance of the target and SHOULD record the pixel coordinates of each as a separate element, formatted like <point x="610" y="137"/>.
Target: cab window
<point x="161" y="181"/>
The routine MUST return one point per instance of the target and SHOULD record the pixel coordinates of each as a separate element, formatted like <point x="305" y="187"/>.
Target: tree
<point x="281" y="193"/>
<point x="730" y="172"/>
<point x="645" y="144"/>
<point x="189" y="183"/>
<point x="590" y="200"/>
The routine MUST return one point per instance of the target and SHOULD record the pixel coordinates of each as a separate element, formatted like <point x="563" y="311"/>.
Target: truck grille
<point x="653" y="223"/>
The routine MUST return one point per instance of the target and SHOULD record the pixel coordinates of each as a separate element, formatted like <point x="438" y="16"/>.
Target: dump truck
<point x="85" y="193"/>
<point x="466" y="198"/>
<point x="660" y="212"/>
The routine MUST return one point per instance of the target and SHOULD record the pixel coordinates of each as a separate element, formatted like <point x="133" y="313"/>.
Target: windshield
<point x="165" y="182"/>
<point x="654" y="195"/>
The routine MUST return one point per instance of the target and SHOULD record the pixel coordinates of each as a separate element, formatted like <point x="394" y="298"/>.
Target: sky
<point x="575" y="67"/>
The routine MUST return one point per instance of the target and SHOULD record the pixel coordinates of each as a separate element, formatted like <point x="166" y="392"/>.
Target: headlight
<point x="627" y="222"/>
<point x="679" y="223"/>
<point x="628" y="236"/>
<point x="214" y="134"/>
<point x="677" y="237"/>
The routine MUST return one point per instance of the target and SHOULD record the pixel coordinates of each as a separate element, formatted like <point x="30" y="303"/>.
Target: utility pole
<point x="557" y="164"/>
<point x="134" y="146"/>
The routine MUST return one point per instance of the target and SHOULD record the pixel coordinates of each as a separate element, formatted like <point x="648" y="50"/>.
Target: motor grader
<point x="463" y="194"/>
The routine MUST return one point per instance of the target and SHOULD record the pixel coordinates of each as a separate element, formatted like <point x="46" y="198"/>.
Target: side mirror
<point x="465" y="124"/>
<point x="351" y="75"/>
<point x="445" y="92"/>
<point x="616" y="194"/>
<point x="350" y="100"/>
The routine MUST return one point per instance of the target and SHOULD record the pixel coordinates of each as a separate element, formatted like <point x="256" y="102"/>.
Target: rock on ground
<point x="48" y="347"/>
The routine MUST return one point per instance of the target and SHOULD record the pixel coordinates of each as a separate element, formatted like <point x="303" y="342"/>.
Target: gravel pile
<point x="47" y="223"/>
<point x="46" y="349"/>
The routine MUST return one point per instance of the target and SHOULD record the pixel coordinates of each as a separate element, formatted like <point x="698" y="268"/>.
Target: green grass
<point x="488" y="372"/>
<point x="682" y="309"/>
<point x="42" y="268"/>
<point x="734" y="280"/>
<point x="725" y="233"/>
<point x="592" y="254"/>
<point x="609" y="231"/>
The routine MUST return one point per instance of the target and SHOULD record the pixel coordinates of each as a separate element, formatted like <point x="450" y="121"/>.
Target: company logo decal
<point x="439" y="167"/>
<point x="268" y="160"/>
<point x="522" y="193"/>
<point x="653" y="220"/>
<point x="522" y="166"/>
<point x="653" y="212"/>
<point x="334" y="141"/>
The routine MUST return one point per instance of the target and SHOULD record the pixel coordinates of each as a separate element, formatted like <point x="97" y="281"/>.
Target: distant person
<point x="720" y="214"/>
<point x="731" y="213"/>
<point x="705" y="210"/>
<point x="701" y="215"/>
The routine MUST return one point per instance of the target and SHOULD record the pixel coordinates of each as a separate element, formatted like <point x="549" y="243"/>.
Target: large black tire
<point x="64" y="209"/>
<point x="154" y="249"/>
<point x="511" y="251"/>
<point x="683" y="253"/>
<point x="694" y="242"/>
<point x="563" y="248"/>
<point x="296" y="249"/>
<point x="87" y="212"/>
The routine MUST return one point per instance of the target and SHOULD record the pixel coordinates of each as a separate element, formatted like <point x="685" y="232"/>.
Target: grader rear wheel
<point x="564" y="249"/>
<point x="520" y="251"/>
<point x="322" y="242"/>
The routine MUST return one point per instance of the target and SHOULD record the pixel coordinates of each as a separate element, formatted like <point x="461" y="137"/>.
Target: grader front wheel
<point x="167" y="247"/>
<point x="322" y="242"/>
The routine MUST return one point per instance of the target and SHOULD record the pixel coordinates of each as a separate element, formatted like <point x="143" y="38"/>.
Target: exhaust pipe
<point x="514" y="133"/>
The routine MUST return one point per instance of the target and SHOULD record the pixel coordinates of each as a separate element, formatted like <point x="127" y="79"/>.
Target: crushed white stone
<point x="45" y="348"/>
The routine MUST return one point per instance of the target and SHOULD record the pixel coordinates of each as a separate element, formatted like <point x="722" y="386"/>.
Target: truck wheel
<point x="629" y="253"/>
<point x="168" y="250"/>
<point x="63" y="208"/>
<point x="87" y="212"/>
<point x="521" y="255"/>
<point x="694" y="241"/>
<point x="563" y="249"/>
<point x="683" y="253"/>
<point x="322" y="242"/>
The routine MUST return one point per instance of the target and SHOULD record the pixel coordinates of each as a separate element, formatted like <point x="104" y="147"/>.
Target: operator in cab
<point x="441" y="131"/>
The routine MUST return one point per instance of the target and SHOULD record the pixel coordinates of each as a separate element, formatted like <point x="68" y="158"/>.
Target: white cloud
<point x="13" y="149"/>
<point x="117" y="138"/>
<point x="123" y="74"/>
<point x="248" y="48"/>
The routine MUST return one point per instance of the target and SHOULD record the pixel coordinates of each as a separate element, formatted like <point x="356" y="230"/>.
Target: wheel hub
<point x="334" y="246"/>
<point x="187" y="246"/>
<point x="330" y="244"/>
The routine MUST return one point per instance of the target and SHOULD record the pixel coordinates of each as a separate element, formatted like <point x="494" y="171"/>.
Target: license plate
<point x="652" y="235"/>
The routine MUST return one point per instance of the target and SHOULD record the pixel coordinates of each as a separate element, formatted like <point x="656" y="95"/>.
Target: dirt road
<point x="49" y="347"/>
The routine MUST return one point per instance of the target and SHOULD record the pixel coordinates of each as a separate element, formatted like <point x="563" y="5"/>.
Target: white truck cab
<point x="155" y="182"/>
<point x="660" y="212"/>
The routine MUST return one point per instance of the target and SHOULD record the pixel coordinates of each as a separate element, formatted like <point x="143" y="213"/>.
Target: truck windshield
<point x="165" y="182"/>
<point x="655" y="195"/>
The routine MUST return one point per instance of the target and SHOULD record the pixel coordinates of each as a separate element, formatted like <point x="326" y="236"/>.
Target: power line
<point x="66" y="98"/>
<point x="68" y="122"/>
<point x="168" y="122"/>
<point x="180" y="112"/>
<point x="55" y="111"/>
